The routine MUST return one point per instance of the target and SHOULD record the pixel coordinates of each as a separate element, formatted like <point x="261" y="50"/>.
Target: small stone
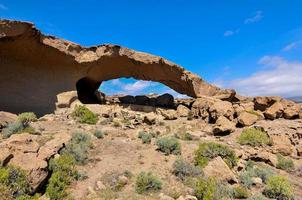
<point x="99" y="186"/>
<point x="256" y="181"/>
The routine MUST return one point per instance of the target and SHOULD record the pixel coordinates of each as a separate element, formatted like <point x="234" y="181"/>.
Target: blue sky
<point x="254" y="46"/>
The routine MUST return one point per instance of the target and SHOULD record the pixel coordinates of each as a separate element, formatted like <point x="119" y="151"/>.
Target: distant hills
<point x="297" y="99"/>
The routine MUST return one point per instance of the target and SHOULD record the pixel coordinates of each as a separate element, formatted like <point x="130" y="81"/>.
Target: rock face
<point x="25" y="151"/>
<point x="37" y="68"/>
<point x="219" y="169"/>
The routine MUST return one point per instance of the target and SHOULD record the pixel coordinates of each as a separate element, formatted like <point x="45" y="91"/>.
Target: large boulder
<point x="168" y="114"/>
<point x="247" y="118"/>
<point x="25" y="151"/>
<point x="221" y="108"/>
<point x="183" y="111"/>
<point x="128" y="99"/>
<point x="142" y="100"/>
<point x="65" y="99"/>
<point x="282" y="144"/>
<point x="262" y="103"/>
<point x="210" y="109"/>
<point x="274" y="111"/>
<point x="220" y="170"/>
<point x="165" y="100"/>
<point x="223" y="126"/>
<point x="291" y="109"/>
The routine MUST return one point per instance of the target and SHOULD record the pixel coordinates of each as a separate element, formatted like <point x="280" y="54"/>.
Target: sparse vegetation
<point x="169" y="145"/>
<point x="27" y="117"/>
<point x="21" y="125"/>
<point x="114" y="180"/>
<point x="145" y="137"/>
<point x="284" y="163"/>
<point x="253" y="170"/>
<point x="12" y="128"/>
<point x="116" y="124"/>
<point x="205" y="189"/>
<point x="13" y="183"/>
<point x="147" y="182"/>
<point x="84" y="115"/>
<point x="210" y="189"/>
<point x="99" y="134"/>
<point x="57" y="184"/>
<point x="257" y="197"/>
<point x="63" y="172"/>
<point x="78" y="147"/>
<point x="210" y="150"/>
<point x="183" y="169"/>
<point x="278" y="187"/>
<point x="254" y="137"/>
<point x="240" y="192"/>
<point x="184" y="136"/>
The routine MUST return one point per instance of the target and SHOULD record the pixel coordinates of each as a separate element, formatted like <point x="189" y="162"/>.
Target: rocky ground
<point x="118" y="153"/>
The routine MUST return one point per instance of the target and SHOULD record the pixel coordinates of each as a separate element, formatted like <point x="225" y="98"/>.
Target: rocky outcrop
<point x="219" y="169"/>
<point x="38" y="67"/>
<point x="6" y="118"/>
<point x="28" y="153"/>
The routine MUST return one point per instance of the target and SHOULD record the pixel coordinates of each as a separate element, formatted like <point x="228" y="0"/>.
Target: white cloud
<point x="228" y="33"/>
<point x="3" y="7"/>
<point x="282" y="77"/>
<point x="256" y="18"/>
<point x="137" y="86"/>
<point x="292" y="45"/>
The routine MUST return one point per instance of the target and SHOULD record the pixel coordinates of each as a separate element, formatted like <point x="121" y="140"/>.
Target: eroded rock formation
<point x="35" y="68"/>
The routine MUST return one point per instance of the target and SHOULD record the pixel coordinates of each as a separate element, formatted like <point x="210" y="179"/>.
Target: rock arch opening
<point x="126" y="91"/>
<point x="87" y="90"/>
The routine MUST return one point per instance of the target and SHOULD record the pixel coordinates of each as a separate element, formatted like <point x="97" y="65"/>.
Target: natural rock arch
<point x="35" y="68"/>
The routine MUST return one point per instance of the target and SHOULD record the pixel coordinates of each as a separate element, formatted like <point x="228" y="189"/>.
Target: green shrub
<point x="254" y="137"/>
<point x="205" y="189"/>
<point x="183" y="169"/>
<point x="116" y="124"/>
<point x="12" y="128"/>
<point x="145" y="137"/>
<point x="64" y="163"/>
<point x="168" y="145"/>
<point x="210" y="150"/>
<point x="27" y="117"/>
<point x="99" y="134"/>
<point x="257" y="197"/>
<point x="28" y="197"/>
<point x="184" y="136"/>
<point x="285" y="163"/>
<point x="63" y="172"/>
<point x="147" y="182"/>
<point x="210" y="189"/>
<point x="278" y="187"/>
<point x="14" y="179"/>
<point x="240" y="192"/>
<point x="114" y="181"/>
<point x="255" y="171"/>
<point x="78" y="147"/>
<point x="21" y="125"/>
<point x="84" y="115"/>
<point x="57" y="184"/>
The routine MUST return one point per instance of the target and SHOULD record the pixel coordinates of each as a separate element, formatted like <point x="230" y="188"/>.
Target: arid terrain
<point x="119" y="150"/>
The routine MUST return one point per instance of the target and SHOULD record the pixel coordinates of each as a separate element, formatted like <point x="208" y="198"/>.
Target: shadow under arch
<point x="86" y="89"/>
